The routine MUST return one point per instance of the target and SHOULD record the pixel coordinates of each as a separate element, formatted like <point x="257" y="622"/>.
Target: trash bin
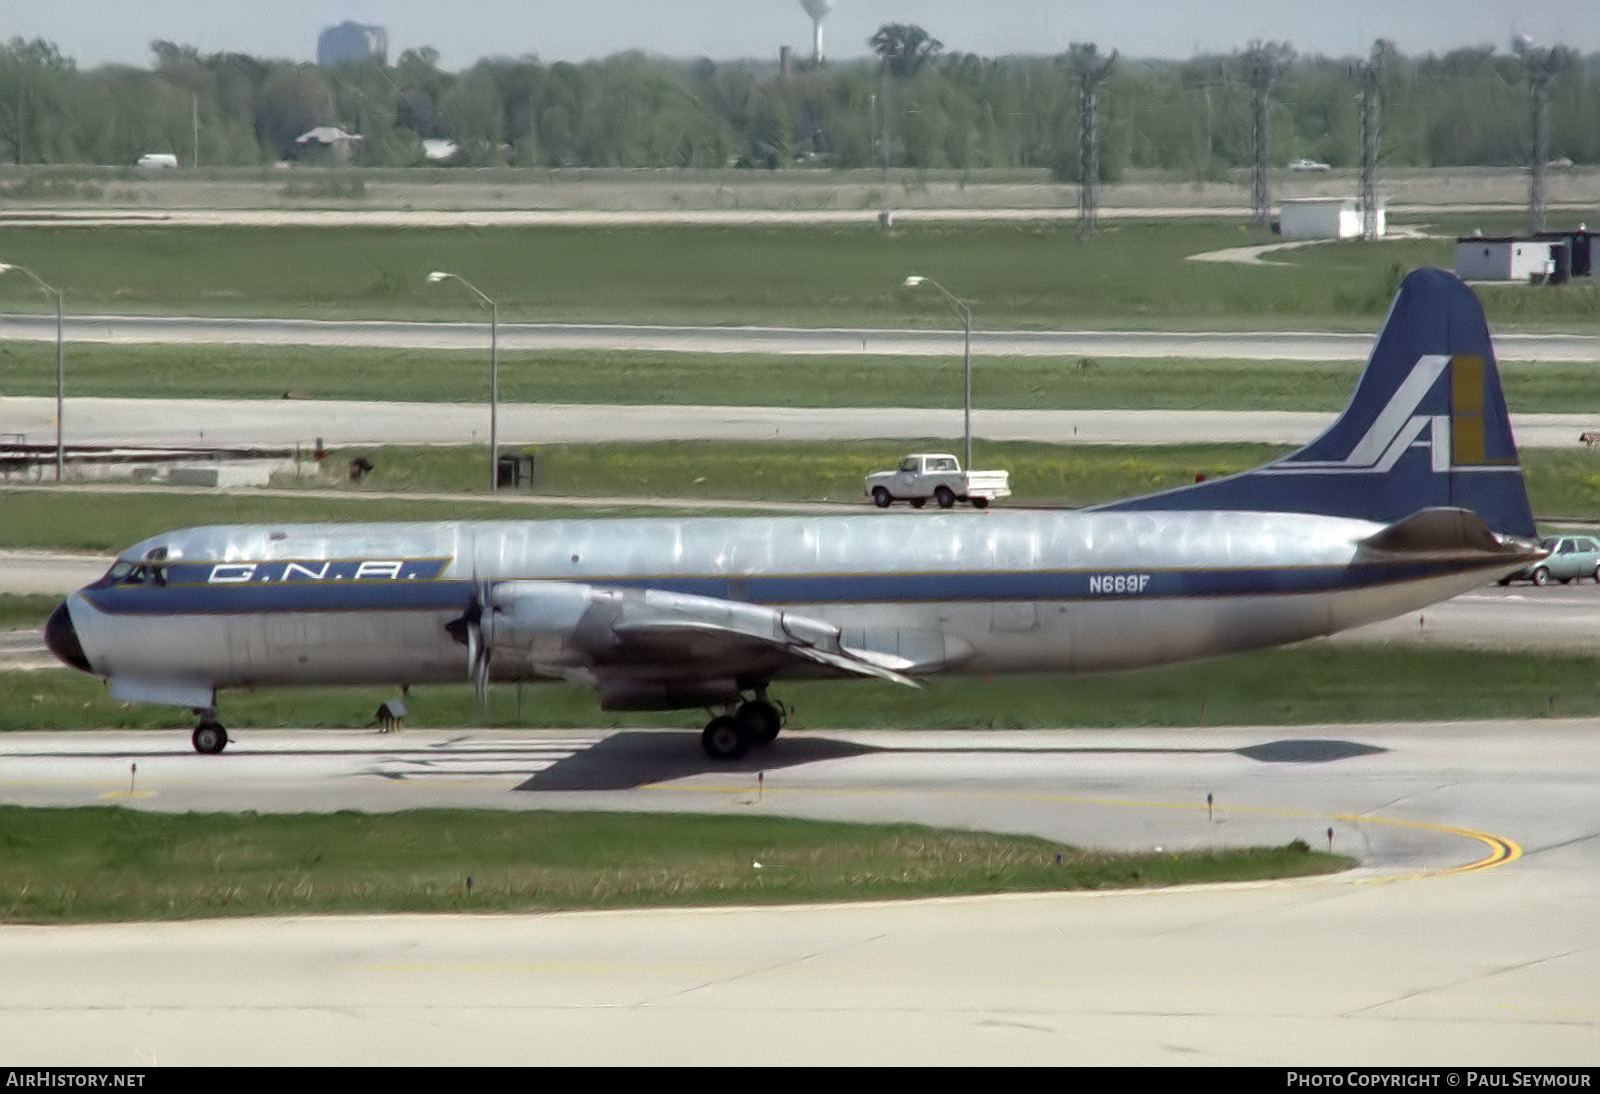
<point x="515" y="472"/>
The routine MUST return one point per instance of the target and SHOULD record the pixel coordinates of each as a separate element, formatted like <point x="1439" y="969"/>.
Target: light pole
<point x="61" y="372"/>
<point x="965" y="310"/>
<point x="494" y="372"/>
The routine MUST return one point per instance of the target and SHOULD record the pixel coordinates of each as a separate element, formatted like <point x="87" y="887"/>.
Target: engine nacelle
<point x="540" y="620"/>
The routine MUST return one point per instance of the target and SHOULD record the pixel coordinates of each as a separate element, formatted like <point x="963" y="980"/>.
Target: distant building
<point x="353" y="43"/>
<point x="1540" y="257"/>
<point x="1324" y="218"/>
<point x="327" y="142"/>
<point x="438" y="150"/>
<point x="1503" y="258"/>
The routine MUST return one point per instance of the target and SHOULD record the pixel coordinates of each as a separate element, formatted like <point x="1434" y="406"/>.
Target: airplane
<point x="1412" y="495"/>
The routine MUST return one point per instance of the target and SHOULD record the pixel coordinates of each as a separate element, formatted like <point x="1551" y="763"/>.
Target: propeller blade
<point x="482" y="633"/>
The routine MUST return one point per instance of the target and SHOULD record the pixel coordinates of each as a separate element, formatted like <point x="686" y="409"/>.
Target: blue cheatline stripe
<point x="1076" y="585"/>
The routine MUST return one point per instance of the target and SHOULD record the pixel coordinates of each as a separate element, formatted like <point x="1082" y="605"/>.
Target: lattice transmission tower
<point x="1371" y="72"/>
<point x="1263" y="63"/>
<point x="1092" y="70"/>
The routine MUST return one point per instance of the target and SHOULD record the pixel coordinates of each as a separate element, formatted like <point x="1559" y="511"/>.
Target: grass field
<point x="1132" y="275"/>
<point x="1563" y="484"/>
<point x="646" y="378"/>
<point x="50" y="519"/>
<point x="18" y="611"/>
<point x="82" y="865"/>
<point x="1040" y="473"/>
<point x="1310" y="683"/>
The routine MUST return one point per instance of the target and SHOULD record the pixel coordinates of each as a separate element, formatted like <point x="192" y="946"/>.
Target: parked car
<point x="1571" y="558"/>
<point x="1309" y="165"/>
<point x="936" y="475"/>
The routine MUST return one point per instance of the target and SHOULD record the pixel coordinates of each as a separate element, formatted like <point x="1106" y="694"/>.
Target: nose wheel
<point x="730" y="736"/>
<point x="209" y="737"/>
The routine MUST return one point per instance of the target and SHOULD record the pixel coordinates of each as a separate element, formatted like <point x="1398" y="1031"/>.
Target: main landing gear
<point x="754" y="722"/>
<point x="209" y="737"/>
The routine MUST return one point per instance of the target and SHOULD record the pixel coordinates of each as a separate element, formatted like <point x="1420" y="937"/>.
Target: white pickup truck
<point x="938" y="476"/>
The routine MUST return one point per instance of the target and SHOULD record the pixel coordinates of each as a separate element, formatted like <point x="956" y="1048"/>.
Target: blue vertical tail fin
<point x="1427" y="427"/>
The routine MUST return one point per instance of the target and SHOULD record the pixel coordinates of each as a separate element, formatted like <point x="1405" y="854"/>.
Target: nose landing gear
<point x="754" y="722"/>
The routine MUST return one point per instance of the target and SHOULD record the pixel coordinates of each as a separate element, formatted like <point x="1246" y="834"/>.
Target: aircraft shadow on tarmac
<point x="630" y="759"/>
<point x="636" y="758"/>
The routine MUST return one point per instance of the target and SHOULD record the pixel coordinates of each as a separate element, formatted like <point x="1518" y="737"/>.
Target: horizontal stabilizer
<point x="1440" y="532"/>
<point x="1455" y="536"/>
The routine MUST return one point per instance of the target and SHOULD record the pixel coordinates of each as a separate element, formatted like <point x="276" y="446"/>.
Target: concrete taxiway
<point x="896" y="342"/>
<point x="288" y="422"/>
<point x="1464" y="936"/>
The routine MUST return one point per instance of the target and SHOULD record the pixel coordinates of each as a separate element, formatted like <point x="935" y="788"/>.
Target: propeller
<point x="479" y="644"/>
<point x="474" y="630"/>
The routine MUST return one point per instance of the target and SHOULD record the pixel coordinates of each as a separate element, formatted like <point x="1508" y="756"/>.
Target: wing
<point x="595" y="633"/>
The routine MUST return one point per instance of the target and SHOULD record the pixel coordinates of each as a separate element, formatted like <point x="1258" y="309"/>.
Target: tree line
<point x="939" y="108"/>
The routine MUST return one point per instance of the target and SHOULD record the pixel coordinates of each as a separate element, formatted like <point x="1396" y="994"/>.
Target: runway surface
<point x="1463" y="938"/>
<point x="280" y="422"/>
<point x="395" y="334"/>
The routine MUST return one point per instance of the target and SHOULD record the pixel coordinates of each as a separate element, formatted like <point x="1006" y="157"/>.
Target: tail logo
<point x="1455" y="441"/>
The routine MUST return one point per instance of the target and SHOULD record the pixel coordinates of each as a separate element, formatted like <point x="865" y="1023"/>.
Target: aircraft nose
<point x="62" y="638"/>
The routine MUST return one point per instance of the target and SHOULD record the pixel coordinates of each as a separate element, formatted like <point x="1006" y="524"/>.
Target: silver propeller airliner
<point x="1413" y="495"/>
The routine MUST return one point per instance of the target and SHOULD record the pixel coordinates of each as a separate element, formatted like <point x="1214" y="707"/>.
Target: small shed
<point x="1579" y="242"/>
<point x="1323" y="218"/>
<point x="1504" y="258"/>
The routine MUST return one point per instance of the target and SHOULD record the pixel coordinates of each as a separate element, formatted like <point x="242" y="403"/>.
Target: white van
<point x="158" y="161"/>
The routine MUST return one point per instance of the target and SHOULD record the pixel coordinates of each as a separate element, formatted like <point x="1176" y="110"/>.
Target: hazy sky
<point x="100" y="31"/>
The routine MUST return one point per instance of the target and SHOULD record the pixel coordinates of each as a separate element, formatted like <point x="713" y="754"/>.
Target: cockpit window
<point x="123" y="572"/>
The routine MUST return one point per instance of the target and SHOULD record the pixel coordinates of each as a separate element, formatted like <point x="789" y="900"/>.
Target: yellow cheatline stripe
<point x="1501" y="850"/>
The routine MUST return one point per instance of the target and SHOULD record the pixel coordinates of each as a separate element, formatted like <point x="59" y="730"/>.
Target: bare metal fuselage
<point x="981" y="593"/>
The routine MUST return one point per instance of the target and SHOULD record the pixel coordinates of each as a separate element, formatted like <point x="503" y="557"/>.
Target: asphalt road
<point x="1462" y="939"/>
<point x="1246" y="345"/>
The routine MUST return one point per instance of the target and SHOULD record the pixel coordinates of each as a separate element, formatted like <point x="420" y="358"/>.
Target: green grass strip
<point x="96" y="864"/>
<point x="1132" y="273"/>
<point x="1311" y="683"/>
<point x="39" y="519"/>
<point x="1562" y="483"/>
<point x="28" y="610"/>
<point x="649" y="378"/>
